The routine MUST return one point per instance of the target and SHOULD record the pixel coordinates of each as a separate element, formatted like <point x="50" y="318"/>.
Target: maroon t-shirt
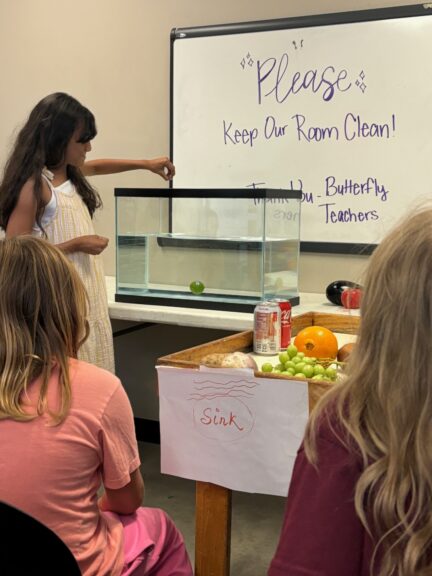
<point x="322" y="534"/>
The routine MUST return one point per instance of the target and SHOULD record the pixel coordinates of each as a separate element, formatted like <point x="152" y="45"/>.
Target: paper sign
<point x="230" y="428"/>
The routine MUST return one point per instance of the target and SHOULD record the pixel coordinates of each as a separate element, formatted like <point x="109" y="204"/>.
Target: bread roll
<point x="213" y="360"/>
<point x="229" y="360"/>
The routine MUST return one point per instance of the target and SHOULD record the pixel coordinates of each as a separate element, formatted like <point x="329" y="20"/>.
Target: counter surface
<point x="235" y="321"/>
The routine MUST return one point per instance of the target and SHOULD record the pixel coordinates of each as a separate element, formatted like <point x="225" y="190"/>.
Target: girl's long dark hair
<point x="42" y="142"/>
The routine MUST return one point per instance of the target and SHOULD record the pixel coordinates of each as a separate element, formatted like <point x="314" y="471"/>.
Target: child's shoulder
<point x="92" y="377"/>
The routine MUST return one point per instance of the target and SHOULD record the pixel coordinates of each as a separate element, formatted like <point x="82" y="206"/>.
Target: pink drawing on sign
<point x="220" y="411"/>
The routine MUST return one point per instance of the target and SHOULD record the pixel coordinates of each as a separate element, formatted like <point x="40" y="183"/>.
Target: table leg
<point x="212" y="530"/>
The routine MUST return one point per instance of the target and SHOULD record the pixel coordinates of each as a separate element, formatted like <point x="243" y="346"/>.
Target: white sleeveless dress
<point x="66" y="217"/>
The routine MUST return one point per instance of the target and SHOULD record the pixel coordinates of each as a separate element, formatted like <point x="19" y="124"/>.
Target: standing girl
<point x="44" y="192"/>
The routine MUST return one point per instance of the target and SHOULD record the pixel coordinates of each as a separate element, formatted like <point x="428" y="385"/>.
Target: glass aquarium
<point x="224" y="249"/>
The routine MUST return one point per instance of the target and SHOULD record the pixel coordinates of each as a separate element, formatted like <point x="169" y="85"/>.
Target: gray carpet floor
<point x="256" y="519"/>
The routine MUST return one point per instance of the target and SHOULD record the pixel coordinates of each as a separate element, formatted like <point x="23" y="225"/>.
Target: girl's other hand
<point x="91" y="244"/>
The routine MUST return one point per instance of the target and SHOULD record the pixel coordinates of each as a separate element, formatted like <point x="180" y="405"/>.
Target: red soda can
<point x="267" y="328"/>
<point x="285" y="308"/>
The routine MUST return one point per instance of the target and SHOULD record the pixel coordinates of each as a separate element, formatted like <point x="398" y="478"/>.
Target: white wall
<point x="113" y="55"/>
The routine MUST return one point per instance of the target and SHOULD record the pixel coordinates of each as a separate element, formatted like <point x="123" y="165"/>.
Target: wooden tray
<point x="243" y="342"/>
<point x="213" y="503"/>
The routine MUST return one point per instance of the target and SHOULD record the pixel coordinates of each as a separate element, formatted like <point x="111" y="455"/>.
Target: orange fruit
<point x="317" y="341"/>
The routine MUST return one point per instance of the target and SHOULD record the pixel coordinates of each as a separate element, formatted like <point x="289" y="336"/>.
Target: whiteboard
<point x="337" y="106"/>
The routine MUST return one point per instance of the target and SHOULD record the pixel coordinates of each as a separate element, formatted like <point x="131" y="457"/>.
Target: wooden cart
<point x="213" y="503"/>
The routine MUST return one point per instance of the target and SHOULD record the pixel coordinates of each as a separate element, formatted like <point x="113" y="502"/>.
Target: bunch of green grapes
<point x="295" y="363"/>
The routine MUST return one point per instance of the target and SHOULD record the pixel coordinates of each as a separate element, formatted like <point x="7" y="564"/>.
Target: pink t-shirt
<point x="54" y="472"/>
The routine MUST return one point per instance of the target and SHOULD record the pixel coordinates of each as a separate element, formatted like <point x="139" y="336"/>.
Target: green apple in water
<point x="196" y="287"/>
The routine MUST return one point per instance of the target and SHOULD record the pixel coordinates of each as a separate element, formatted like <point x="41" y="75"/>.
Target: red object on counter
<point x="285" y="308"/>
<point x="351" y="298"/>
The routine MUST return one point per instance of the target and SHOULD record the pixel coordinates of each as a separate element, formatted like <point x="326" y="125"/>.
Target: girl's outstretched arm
<point x="161" y="166"/>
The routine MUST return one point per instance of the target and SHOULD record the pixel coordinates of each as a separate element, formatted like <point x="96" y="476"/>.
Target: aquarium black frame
<point x="218" y="193"/>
